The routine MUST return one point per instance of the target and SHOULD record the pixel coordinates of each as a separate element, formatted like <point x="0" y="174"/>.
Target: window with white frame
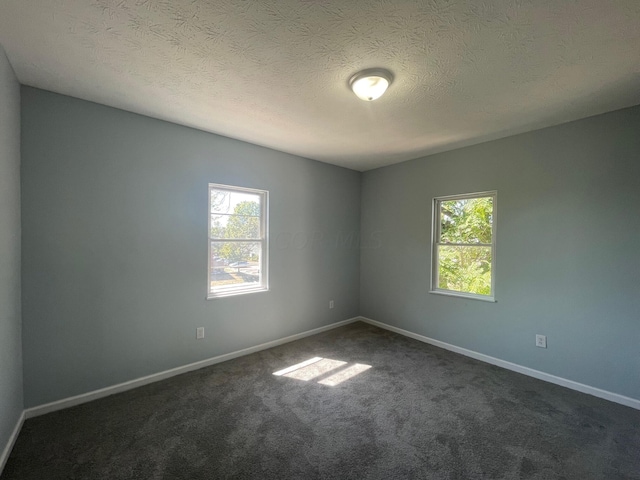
<point x="463" y="256"/>
<point x="238" y="240"/>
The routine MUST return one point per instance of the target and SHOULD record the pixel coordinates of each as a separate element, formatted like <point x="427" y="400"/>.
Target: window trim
<point x="263" y="285"/>
<point x="435" y="236"/>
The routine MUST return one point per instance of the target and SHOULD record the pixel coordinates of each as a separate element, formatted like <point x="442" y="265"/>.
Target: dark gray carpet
<point x="419" y="412"/>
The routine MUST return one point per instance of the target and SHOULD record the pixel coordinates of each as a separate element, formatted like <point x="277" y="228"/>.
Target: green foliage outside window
<point x="244" y="223"/>
<point x="464" y="246"/>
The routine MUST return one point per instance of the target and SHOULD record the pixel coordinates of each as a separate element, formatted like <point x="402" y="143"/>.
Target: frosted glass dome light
<point x="370" y="84"/>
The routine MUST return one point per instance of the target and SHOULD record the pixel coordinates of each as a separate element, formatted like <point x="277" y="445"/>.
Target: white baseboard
<point x="156" y="377"/>
<point x="547" y="377"/>
<point x="12" y="440"/>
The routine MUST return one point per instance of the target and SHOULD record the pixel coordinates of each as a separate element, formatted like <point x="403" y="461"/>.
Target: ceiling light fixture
<point x="370" y="84"/>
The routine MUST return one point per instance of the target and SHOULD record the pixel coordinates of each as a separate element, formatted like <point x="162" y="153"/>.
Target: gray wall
<point x="10" y="325"/>
<point x="114" y="242"/>
<point x="115" y="245"/>
<point x="568" y="249"/>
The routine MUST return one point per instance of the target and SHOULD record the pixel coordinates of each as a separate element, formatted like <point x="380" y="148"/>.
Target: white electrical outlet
<point x="200" y="332"/>
<point x="541" y="341"/>
<point x="330" y="303"/>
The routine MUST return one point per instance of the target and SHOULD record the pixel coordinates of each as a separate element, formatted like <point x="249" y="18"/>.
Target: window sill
<point x="234" y="292"/>
<point x="468" y="296"/>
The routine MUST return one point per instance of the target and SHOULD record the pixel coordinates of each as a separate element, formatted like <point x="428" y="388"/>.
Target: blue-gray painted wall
<point x="114" y="211"/>
<point x="568" y="249"/>
<point x="10" y="323"/>
<point x="114" y="247"/>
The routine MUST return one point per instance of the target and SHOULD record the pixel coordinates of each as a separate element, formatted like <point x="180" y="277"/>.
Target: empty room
<point x="287" y="239"/>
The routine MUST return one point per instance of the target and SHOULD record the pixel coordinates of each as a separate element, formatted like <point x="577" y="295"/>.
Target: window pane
<point x="218" y="226"/>
<point x="237" y="226"/>
<point x="227" y="202"/>
<point x="234" y="264"/>
<point x="465" y="269"/>
<point x="466" y="220"/>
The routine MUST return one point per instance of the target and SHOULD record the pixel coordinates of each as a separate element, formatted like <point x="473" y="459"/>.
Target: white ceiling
<point x="275" y="72"/>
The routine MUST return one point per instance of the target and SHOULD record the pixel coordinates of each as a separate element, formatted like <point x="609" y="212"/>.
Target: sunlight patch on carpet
<point x="318" y="366"/>
<point x="346" y="374"/>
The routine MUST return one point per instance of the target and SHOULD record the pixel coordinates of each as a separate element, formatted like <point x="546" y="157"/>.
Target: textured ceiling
<point x="275" y="72"/>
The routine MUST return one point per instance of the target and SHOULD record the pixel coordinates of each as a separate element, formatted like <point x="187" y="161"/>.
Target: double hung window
<point x="238" y="240"/>
<point x="463" y="256"/>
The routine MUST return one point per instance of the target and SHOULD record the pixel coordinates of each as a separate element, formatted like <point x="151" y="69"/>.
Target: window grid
<point x="437" y="244"/>
<point x="229" y="269"/>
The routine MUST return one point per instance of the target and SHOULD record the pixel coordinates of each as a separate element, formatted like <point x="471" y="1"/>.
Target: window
<point x="463" y="257"/>
<point x="238" y="239"/>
